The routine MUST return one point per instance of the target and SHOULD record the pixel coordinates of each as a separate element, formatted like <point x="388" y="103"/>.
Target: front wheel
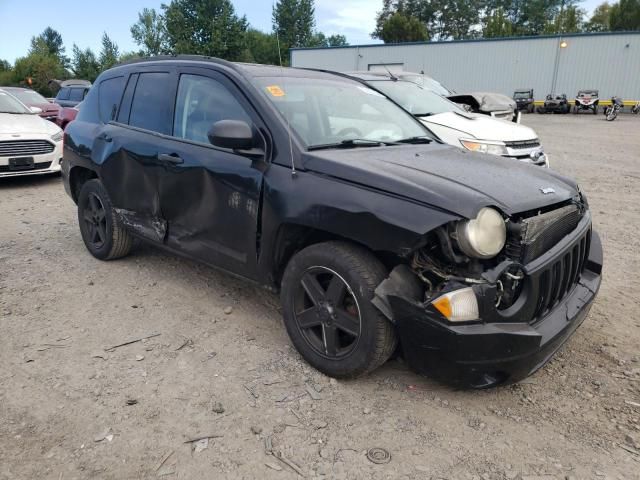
<point x="102" y="232"/>
<point x="326" y="296"/>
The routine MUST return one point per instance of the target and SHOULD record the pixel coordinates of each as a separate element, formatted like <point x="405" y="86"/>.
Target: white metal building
<point x="609" y="62"/>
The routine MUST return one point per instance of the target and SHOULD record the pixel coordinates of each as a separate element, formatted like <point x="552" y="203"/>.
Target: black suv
<point x="72" y="92"/>
<point x="319" y="187"/>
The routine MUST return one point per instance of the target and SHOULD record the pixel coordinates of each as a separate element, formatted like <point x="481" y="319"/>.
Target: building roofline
<point x="473" y="40"/>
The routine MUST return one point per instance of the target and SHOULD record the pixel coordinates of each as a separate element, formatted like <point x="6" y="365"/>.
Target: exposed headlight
<point x="493" y="148"/>
<point x="484" y="236"/>
<point x="459" y="305"/>
<point x="58" y="136"/>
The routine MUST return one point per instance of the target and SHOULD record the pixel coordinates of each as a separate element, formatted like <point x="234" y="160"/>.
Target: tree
<point x="625" y="15"/>
<point x="205" y="27"/>
<point x="150" y="32"/>
<point x="109" y="54"/>
<point x="400" y="28"/>
<point x="294" y="23"/>
<point x="569" y="20"/>
<point x="6" y="73"/>
<point x="84" y="64"/>
<point x="497" y="25"/>
<point x="319" y="39"/>
<point x="599" y="21"/>
<point x="49" y="42"/>
<point x="40" y="68"/>
<point x="263" y="48"/>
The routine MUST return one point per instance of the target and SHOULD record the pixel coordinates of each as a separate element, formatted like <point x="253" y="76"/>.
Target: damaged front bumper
<point x="499" y="350"/>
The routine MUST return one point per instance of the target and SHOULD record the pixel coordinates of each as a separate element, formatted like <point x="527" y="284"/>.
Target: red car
<point x="32" y="98"/>
<point x="67" y="115"/>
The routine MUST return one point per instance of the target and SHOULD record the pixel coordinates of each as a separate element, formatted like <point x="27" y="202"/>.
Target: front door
<point x="210" y="197"/>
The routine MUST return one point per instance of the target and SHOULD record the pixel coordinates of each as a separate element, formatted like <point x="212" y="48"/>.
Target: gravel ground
<point x="222" y="365"/>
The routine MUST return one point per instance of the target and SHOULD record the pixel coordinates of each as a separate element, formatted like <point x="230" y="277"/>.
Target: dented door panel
<point x="210" y="202"/>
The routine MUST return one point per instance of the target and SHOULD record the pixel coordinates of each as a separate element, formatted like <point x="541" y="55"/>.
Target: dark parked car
<point x="555" y="104"/>
<point x="72" y="92"/>
<point x="524" y="100"/>
<point x="31" y="98"/>
<point x="322" y="189"/>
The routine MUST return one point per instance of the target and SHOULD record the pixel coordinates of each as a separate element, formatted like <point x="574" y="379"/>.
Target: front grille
<point x="24" y="148"/>
<point x="559" y="278"/>
<point x="533" y="236"/>
<point x="522" y="144"/>
<point x="36" y="166"/>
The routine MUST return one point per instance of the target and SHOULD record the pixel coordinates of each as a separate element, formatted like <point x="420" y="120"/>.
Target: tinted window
<point x="63" y="94"/>
<point x="110" y="93"/>
<point x="201" y="102"/>
<point x="151" y="103"/>
<point x="77" y="94"/>
<point x="125" y="105"/>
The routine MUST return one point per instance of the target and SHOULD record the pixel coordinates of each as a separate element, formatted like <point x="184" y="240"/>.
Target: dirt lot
<point x="64" y="409"/>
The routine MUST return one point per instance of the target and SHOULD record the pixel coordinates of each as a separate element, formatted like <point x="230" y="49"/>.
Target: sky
<point x="83" y="21"/>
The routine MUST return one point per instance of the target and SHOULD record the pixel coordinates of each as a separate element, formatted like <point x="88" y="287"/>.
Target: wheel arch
<point x="78" y="176"/>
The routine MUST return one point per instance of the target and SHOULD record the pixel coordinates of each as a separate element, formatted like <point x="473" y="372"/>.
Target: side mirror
<point x="232" y="134"/>
<point x="35" y="109"/>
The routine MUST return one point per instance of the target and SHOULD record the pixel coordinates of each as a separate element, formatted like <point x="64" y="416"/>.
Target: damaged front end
<point x="474" y="319"/>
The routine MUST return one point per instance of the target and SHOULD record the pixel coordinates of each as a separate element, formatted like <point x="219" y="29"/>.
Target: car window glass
<point x="201" y="102"/>
<point x="63" y="94"/>
<point x="125" y="105"/>
<point x="76" y="94"/>
<point x="110" y="91"/>
<point x="151" y="105"/>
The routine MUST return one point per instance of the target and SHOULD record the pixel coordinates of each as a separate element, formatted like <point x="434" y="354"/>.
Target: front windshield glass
<point x="415" y="99"/>
<point x="9" y="104"/>
<point x="521" y="95"/>
<point x="29" y="96"/>
<point x="428" y="83"/>
<point x="325" y="111"/>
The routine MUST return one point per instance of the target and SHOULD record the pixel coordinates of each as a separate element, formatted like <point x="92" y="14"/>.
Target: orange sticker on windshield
<point x="275" y="90"/>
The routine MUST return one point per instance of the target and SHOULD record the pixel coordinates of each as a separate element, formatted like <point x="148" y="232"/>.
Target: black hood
<point x="448" y="178"/>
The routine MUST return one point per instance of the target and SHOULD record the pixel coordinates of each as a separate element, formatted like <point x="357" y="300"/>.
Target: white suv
<point x="28" y="144"/>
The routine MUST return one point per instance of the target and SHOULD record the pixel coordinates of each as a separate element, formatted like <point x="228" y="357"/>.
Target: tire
<point x="530" y="108"/>
<point x="102" y="233"/>
<point x="329" y="286"/>
<point x="540" y="110"/>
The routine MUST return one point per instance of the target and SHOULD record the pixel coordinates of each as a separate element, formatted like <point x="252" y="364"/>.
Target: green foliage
<point x="319" y="39"/>
<point x="127" y="56"/>
<point x="599" y="21"/>
<point x="205" y="27"/>
<point x="150" y="32"/>
<point x="49" y="42"/>
<point x="569" y="20"/>
<point x="625" y="15"/>
<point x="84" y="64"/>
<point x="294" y="23"/>
<point x="496" y="25"/>
<point x="399" y="28"/>
<point x="109" y="54"/>
<point x="263" y="48"/>
<point x="40" y="68"/>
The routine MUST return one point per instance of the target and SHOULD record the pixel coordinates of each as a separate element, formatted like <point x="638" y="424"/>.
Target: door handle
<point x="106" y="138"/>
<point x="170" y="157"/>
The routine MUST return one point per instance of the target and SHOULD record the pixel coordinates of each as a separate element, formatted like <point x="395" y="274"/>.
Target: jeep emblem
<point x="547" y="190"/>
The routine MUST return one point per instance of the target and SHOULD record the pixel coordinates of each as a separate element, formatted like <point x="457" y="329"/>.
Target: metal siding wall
<point x="601" y="62"/>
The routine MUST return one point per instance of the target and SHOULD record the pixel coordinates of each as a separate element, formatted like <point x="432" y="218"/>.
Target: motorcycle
<point x="611" y="111"/>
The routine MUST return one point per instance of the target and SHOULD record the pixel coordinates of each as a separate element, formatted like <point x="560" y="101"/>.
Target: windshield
<point x="326" y="112"/>
<point x="428" y="83"/>
<point x="521" y="95"/>
<point x="587" y="93"/>
<point x="9" y="104"/>
<point x="415" y="99"/>
<point x="29" y="96"/>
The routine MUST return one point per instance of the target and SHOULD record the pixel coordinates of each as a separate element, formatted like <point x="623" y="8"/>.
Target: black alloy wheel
<point x="327" y="313"/>
<point x="95" y="218"/>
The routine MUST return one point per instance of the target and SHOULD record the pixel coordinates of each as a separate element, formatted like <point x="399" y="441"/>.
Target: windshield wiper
<point x="416" y="140"/>
<point x="351" y="143"/>
<point x="13" y="113"/>
<point x="427" y="114"/>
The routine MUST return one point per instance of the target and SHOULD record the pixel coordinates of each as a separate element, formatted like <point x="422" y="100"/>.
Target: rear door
<point x="137" y="135"/>
<point x="211" y="196"/>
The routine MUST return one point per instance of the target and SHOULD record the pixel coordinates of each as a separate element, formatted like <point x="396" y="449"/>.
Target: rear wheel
<point x="102" y="232"/>
<point x="326" y="296"/>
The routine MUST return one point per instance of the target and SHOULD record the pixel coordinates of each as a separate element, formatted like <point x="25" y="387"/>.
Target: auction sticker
<point x="275" y="90"/>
